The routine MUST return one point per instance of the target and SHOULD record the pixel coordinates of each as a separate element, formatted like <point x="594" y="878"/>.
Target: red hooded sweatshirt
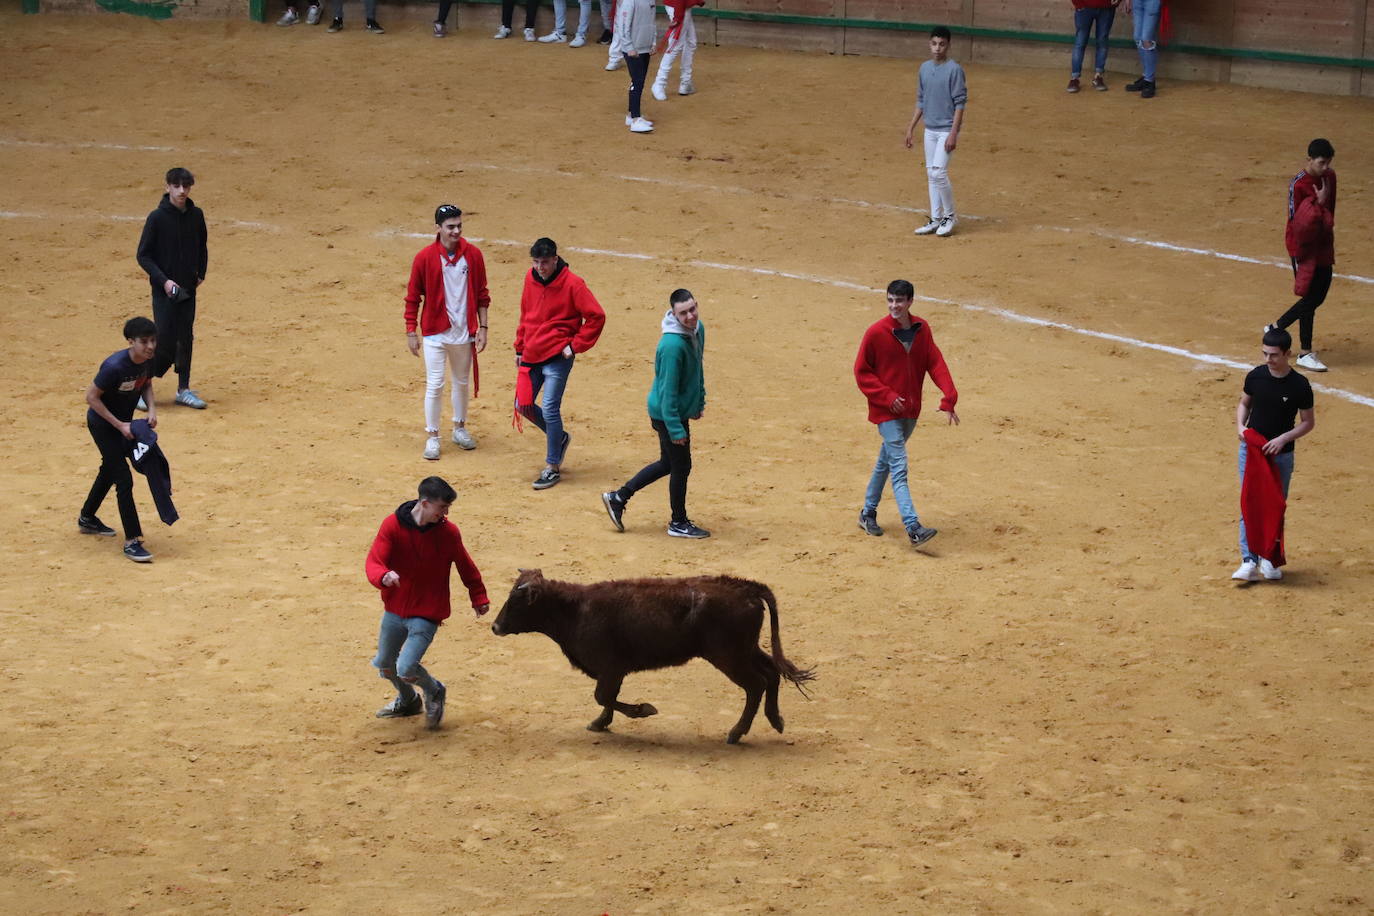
<point x="1262" y="504"/>
<point x="421" y="556"/>
<point x="555" y="314"/>
<point x="886" y="370"/>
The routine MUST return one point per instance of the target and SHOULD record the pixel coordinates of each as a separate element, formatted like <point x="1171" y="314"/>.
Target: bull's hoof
<point x="643" y="711"/>
<point x="776" y="722"/>
<point x="597" y="726"/>
<point x="732" y="738"/>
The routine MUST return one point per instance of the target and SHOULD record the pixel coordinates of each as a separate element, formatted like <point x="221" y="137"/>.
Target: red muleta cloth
<point x="524" y="398"/>
<point x="679" y="9"/>
<point x="1262" y="503"/>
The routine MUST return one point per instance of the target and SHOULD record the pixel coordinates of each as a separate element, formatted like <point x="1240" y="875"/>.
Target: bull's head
<point x="518" y="614"/>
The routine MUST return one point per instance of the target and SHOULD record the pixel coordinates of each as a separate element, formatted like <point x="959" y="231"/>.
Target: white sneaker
<point x="1270" y="571"/>
<point x="529" y="35"/>
<point x="615" y="63"/>
<point x="1310" y="362"/>
<point x="946" y="226"/>
<point x="578" y="41"/>
<point x="553" y="38"/>
<point x="641" y="126"/>
<point x="503" y="32"/>
<point x="463" y="439"/>
<point x="312" y="14"/>
<point x="928" y="228"/>
<point x="432" y="449"/>
<point x="629" y="121"/>
<point x="1247" y="572"/>
<point x="687" y="88"/>
<point x="288" y="18"/>
<point x="659" y="91"/>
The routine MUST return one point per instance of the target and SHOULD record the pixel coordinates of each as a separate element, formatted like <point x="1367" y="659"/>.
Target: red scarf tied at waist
<point x="678" y="12"/>
<point x="1262" y="502"/>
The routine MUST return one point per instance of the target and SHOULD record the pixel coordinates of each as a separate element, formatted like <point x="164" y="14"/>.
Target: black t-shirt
<point x="122" y="382"/>
<point x="1275" y="402"/>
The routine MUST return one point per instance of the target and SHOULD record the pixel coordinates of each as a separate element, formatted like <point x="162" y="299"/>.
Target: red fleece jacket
<point x="427" y="284"/>
<point x="561" y="313"/>
<point x="421" y="557"/>
<point x="886" y="370"/>
<point x="1310" y="235"/>
<point x="1262" y="503"/>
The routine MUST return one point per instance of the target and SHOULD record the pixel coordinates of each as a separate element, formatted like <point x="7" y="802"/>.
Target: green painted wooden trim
<point x="30" y="6"/>
<point x="1017" y="35"/>
<point x="257" y="10"/>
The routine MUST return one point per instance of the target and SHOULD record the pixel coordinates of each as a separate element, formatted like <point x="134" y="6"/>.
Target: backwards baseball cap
<point x="446" y="211"/>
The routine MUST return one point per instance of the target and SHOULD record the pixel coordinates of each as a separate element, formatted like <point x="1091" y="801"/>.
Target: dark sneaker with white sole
<point x="919" y="534"/>
<point x="615" y="508"/>
<point x="89" y="524"/>
<point x="869" y="523"/>
<point x="137" y="552"/>
<point x="401" y="709"/>
<point x="547" y="478"/>
<point x="434" y="705"/>
<point x="687" y="530"/>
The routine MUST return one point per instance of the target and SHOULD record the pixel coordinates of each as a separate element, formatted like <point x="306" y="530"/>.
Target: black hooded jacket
<point x="172" y="246"/>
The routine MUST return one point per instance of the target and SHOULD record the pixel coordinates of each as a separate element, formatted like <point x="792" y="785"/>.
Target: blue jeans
<point x="401" y="643"/>
<point x="1285" y="462"/>
<point x="892" y="463"/>
<point x="552" y="377"/>
<point x="1082" y="24"/>
<point x="1146" y="16"/>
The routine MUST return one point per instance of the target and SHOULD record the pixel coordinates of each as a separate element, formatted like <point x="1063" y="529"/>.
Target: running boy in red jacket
<point x="409" y="561"/>
<point x="1311" y="242"/>
<point x="894" y="358"/>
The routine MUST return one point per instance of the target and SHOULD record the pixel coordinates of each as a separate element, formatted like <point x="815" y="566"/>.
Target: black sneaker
<point x="869" y="523"/>
<point x="374" y="27"/>
<point x="547" y="478"/>
<point x="1148" y="90"/>
<point x="615" y="508"/>
<point x="687" y="530"/>
<point x="137" y="552"/>
<point x="919" y="534"/>
<point x="89" y="524"/>
<point x="1136" y="86"/>
<point x="401" y="709"/>
<point x="434" y="706"/>
<point x="336" y="25"/>
<point x="605" y="38"/>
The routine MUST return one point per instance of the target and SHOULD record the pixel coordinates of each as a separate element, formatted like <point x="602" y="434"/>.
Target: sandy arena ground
<point x="1063" y="705"/>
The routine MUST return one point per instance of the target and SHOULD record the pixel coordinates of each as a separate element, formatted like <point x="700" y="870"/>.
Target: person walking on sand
<point x="941" y="94"/>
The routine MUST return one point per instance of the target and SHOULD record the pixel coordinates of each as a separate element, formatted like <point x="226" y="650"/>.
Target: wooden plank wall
<point x="1327" y="28"/>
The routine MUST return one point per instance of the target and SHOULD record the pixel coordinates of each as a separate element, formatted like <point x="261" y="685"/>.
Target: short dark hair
<point x="140" y="327"/>
<point x="941" y="32"/>
<point x="1320" y="148"/>
<point x="180" y="176"/>
<point x="678" y="296"/>
<point x="1278" y="337"/>
<point x="544" y="248"/>
<point x="445" y="211"/>
<point x="902" y="289"/>
<point x="437" y="490"/>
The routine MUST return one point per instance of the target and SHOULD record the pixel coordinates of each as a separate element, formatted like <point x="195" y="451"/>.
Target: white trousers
<point x="439" y="355"/>
<point x="685" y="44"/>
<point x="937" y="175"/>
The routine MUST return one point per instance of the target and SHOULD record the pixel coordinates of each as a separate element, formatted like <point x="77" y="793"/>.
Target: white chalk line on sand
<point x="755" y="192"/>
<point x="122" y="218"/>
<point x="998" y="312"/>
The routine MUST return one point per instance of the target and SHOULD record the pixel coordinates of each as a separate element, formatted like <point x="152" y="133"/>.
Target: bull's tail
<point x="798" y="676"/>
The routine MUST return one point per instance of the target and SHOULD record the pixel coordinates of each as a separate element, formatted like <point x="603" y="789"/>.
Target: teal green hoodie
<point x="679" y="391"/>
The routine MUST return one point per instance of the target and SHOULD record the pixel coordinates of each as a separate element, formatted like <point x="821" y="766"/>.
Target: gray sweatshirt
<point x="940" y="92"/>
<point x="634" y="25"/>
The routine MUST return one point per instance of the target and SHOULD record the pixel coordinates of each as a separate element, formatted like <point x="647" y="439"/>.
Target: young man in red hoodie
<point x="1311" y="241"/>
<point x="559" y="318"/>
<point x="894" y="358"/>
<point x="409" y="561"/>
<point x="447" y="303"/>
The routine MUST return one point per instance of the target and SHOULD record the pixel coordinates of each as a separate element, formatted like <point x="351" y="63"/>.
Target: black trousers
<point x="508" y="12"/>
<point x="174" y="321"/>
<point x="674" y="462"/>
<point x="444" y="7"/>
<point x="639" y="71"/>
<point x="114" y="472"/>
<point x="1305" y="309"/>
